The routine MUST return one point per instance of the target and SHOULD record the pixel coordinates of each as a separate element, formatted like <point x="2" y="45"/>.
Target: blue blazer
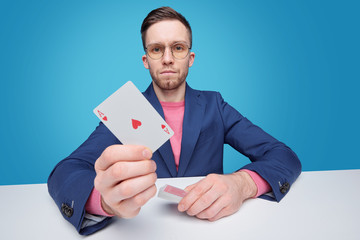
<point x="209" y="123"/>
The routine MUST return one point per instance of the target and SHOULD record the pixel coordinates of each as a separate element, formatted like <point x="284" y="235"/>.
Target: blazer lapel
<point x="165" y="150"/>
<point x="194" y="113"/>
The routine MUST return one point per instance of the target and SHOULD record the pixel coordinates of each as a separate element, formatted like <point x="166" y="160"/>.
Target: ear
<point x="145" y="61"/>
<point x="191" y="59"/>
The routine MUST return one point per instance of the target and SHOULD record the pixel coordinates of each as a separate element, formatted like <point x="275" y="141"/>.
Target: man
<point x="103" y="178"/>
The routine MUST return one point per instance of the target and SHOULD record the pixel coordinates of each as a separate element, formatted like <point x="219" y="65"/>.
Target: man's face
<point x="168" y="73"/>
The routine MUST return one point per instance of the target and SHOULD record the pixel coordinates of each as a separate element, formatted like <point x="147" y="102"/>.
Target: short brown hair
<point x="161" y="14"/>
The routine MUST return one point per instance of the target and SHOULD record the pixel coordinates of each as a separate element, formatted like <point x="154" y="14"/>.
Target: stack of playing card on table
<point x="133" y="120"/>
<point x="171" y="193"/>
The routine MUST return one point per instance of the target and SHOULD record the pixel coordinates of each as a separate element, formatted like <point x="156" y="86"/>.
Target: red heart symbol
<point x="105" y="118"/>
<point x="165" y="128"/>
<point x="135" y="123"/>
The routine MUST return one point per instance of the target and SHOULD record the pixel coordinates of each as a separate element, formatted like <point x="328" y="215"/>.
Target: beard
<point x="168" y="83"/>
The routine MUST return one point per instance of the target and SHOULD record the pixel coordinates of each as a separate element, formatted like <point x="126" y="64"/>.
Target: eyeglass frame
<point x="172" y="53"/>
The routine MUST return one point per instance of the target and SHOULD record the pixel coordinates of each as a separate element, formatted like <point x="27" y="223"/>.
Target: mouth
<point x="167" y="72"/>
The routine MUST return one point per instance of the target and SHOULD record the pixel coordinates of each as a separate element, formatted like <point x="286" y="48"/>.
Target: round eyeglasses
<point x="178" y="50"/>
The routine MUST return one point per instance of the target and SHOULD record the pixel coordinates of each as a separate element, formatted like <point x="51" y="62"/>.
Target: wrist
<point x="246" y="184"/>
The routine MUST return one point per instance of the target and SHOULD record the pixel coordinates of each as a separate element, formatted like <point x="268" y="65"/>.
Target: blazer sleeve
<point x="72" y="180"/>
<point x="270" y="158"/>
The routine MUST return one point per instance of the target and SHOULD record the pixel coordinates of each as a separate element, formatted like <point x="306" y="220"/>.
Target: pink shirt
<point x="174" y="116"/>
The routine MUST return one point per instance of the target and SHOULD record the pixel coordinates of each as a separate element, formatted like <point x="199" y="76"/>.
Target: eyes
<point x="178" y="50"/>
<point x="178" y="47"/>
<point x="156" y="49"/>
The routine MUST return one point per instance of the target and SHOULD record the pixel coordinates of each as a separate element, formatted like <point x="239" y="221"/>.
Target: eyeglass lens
<point x="178" y="50"/>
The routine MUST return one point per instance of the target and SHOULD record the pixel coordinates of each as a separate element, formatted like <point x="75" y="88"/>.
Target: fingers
<point x="203" y="202"/>
<point x="121" y="171"/>
<point x="196" y="192"/>
<point x="220" y="208"/>
<point x="134" y="186"/>
<point x="127" y="189"/>
<point x="188" y="188"/>
<point x="125" y="176"/>
<point x="212" y="198"/>
<point x="197" y="198"/>
<point x="130" y="207"/>
<point x="126" y="198"/>
<point x="222" y="213"/>
<point x="116" y="153"/>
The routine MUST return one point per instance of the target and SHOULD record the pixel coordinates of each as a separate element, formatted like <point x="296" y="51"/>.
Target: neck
<point x="173" y="95"/>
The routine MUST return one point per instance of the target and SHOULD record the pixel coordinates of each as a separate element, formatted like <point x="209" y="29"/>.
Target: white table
<point x="320" y="205"/>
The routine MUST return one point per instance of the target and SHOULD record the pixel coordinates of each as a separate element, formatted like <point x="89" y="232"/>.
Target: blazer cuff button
<point x="68" y="211"/>
<point x="284" y="188"/>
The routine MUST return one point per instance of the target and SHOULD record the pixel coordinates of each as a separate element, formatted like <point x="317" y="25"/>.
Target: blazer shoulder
<point x="207" y="94"/>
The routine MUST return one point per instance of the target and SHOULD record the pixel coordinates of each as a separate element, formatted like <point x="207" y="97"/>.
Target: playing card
<point x="132" y="119"/>
<point x="171" y="193"/>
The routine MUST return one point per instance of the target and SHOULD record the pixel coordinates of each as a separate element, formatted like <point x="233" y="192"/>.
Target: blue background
<point x="291" y="67"/>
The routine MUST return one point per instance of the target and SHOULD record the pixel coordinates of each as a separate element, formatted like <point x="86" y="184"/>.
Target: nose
<point x="167" y="58"/>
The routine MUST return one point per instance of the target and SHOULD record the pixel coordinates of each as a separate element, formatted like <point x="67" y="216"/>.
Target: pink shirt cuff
<point x="262" y="185"/>
<point x="93" y="204"/>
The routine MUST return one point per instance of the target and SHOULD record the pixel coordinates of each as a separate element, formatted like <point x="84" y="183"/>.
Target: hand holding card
<point x="125" y="179"/>
<point x="132" y="119"/>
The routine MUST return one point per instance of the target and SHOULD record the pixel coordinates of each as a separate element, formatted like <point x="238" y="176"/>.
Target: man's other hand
<point x="217" y="196"/>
